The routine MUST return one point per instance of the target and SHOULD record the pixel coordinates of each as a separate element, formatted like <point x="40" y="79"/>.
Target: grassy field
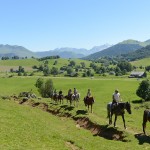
<point x="143" y="62"/>
<point x="25" y="127"/>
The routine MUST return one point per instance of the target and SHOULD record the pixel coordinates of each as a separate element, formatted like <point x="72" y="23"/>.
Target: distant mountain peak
<point x="130" y="41"/>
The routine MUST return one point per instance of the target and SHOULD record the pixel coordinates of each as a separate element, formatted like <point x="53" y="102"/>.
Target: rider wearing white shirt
<point x="116" y="97"/>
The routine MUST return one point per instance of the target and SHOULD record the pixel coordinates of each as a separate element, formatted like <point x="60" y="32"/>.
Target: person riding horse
<point x="89" y="93"/>
<point x="115" y="98"/>
<point x="75" y="93"/>
<point x="69" y="93"/>
<point x="60" y="93"/>
<point x="55" y="93"/>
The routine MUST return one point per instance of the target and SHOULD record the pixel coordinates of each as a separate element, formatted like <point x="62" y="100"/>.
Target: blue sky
<point x="41" y="25"/>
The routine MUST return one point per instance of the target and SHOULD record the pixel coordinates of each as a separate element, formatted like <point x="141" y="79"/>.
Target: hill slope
<point x="14" y="50"/>
<point x="138" y="54"/>
<point x="118" y="49"/>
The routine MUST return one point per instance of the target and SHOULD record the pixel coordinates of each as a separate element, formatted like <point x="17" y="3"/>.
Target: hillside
<point x="138" y="54"/>
<point x="141" y="62"/>
<point x="32" y="126"/>
<point x="14" y="50"/>
<point x="118" y="49"/>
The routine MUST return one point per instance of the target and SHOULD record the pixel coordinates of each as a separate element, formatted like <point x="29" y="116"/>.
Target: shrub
<point x="143" y="90"/>
<point x="45" y="88"/>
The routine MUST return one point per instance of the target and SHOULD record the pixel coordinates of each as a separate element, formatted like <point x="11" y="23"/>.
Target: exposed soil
<point x="104" y="131"/>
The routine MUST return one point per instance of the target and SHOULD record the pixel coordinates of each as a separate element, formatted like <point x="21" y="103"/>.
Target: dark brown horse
<point x="55" y="98"/>
<point x="89" y="101"/>
<point x="118" y="109"/>
<point x="60" y="98"/>
<point x="146" y="117"/>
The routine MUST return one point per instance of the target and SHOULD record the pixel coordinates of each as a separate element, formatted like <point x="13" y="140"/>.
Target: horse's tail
<point x="108" y="109"/>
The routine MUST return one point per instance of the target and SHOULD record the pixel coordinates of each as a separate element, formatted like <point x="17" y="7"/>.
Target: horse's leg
<point x="115" y="120"/>
<point x="91" y="108"/>
<point x="124" y="121"/>
<point x="144" y="121"/>
<point x="144" y="126"/>
<point x="110" y="118"/>
<point x="88" y="107"/>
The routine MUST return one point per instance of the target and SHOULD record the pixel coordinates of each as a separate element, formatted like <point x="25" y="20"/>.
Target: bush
<point x="45" y="88"/>
<point x="143" y="90"/>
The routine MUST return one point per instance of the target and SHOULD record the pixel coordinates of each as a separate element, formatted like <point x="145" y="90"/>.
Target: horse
<point x="69" y="98"/>
<point x="89" y="101"/>
<point x="76" y="98"/>
<point x="60" y="98"/>
<point x="118" y="109"/>
<point x="146" y="117"/>
<point x="55" y="98"/>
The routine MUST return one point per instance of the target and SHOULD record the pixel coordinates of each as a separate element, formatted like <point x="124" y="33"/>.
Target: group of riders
<point x="116" y="98"/>
<point x="73" y="93"/>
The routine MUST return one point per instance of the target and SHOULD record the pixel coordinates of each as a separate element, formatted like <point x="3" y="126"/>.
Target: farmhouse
<point x="137" y="74"/>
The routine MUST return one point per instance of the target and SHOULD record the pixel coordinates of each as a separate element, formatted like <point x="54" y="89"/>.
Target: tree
<point x="46" y="71"/>
<point x="45" y="88"/>
<point x="82" y="64"/>
<point x="69" y="70"/>
<point x="147" y="68"/>
<point x="72" y="63"/>
<point x="21" y="69"/>
<point x="39" y="82"/>
<point x="54" y="71"/>
<point x="125" y="65"/>
<point x="143" y="90"/>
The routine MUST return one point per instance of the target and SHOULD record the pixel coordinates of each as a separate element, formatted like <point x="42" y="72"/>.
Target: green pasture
<point x="25" y="127"/>
<point x="142" y="62"/>
<point x="29" y="63"/>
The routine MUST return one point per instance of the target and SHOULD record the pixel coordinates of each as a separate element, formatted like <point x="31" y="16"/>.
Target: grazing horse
<point x="146" y="117"/>
<point x="118" y="109"/>
<point x="89" y="101"/>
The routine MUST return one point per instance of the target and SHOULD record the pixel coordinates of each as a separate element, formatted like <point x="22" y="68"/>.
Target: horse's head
<point x="128" y="107"/>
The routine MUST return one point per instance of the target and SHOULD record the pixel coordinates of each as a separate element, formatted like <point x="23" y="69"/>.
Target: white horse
<point x="76" y="98"/>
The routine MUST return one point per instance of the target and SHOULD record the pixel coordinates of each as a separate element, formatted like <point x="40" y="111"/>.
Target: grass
<point x="142" y="62"/>
<point x="24" y="127"/>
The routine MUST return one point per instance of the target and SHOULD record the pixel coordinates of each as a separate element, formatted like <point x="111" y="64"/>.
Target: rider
<point x="116" y="97"/>
<point x="88" y="93"/>
<point x="69" y="92"/>
<point x="55" y="92"/>
<point x="60" y="92"/>
<point x="75" y="91"/>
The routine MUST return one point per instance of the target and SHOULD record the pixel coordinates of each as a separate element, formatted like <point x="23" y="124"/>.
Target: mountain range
<point x="120" y="49"/>
<point x="67" y="52"/>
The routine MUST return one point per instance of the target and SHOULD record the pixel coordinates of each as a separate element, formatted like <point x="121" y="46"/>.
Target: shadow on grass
<point x="82" y="112"/>
<point x="142" y="138"/>
<point x="137" y="101"/>
<point x="66" y="107"/>
<point x="110" y="133"/>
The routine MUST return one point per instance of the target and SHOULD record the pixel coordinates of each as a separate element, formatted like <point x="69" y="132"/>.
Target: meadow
<point x="26" y="127"/>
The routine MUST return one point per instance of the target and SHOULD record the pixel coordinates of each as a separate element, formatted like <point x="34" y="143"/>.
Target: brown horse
<point x="118" y="109"/>
<point x="146" y="117"/>
<point x="89" y="101"/>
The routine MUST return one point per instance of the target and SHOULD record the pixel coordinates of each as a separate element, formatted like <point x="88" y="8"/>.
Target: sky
<point x="42" y="25"/>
